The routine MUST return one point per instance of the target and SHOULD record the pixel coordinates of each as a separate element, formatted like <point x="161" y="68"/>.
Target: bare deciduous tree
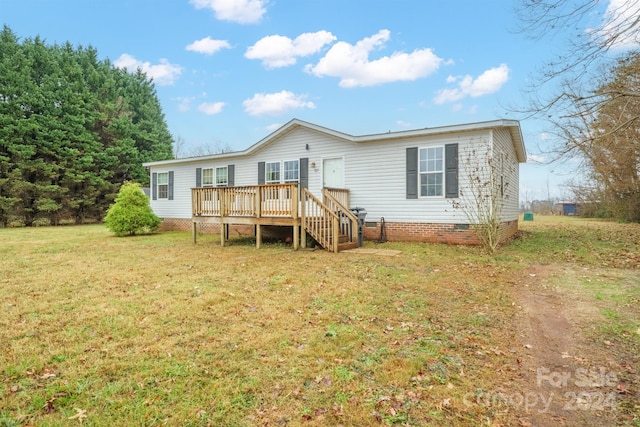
<point x="591" y="92"/>
<point x="180" y="149"/>
<point x="587" y="38"/>
<point x="483" y="198"/>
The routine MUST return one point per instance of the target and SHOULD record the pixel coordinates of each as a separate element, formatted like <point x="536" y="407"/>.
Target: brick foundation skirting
<point x="457" y="234"/>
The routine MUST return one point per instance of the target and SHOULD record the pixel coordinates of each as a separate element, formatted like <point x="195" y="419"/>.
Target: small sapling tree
<point x="482" y="200"/>
<point x="131" y="213"/>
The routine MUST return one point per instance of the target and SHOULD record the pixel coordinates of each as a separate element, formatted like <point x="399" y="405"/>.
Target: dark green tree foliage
<point x="72" y="130"/>
<point x="131" y="213"/>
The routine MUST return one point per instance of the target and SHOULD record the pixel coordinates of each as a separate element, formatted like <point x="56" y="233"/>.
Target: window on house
<point x="207" y="177"/>
<point x="163" y="185"/>
<point x="431" y="171"/>
<point x="272" y="173"/>
<point x="222" y="176"/>
<point x="292" y="171"/>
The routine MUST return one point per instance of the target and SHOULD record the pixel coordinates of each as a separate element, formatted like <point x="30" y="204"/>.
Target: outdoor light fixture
<point x="306" y="146"/>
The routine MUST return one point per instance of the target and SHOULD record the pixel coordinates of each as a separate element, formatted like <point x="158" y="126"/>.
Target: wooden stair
<point x="330" y="223"/>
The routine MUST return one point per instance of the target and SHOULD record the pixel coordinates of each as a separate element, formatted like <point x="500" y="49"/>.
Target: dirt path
<point x="565" y="379"/>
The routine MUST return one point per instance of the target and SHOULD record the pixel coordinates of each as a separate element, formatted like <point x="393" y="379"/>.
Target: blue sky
<point x="228" y="72"/>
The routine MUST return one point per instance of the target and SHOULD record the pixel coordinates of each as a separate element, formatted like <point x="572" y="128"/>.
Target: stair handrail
<point x="315" y="225"/>
<point x="348" y="228"/>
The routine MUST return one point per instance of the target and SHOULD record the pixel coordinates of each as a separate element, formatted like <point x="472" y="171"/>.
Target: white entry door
<point x="333" y="172"/>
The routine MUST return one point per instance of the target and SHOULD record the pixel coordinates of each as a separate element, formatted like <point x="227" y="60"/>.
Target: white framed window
<point x="431" y="169"/>
<point x="163" y="185"/>
<point x="207" y="177"/>
<point x="272" y="173"/>
<point x="291" y="170"/>
<point x="222" y="176"/>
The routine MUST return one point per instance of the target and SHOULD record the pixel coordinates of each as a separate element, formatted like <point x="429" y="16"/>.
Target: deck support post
<point x="258" y="236"/>
<point x="222" y="234"/>
<point x="303" y="217"/>
<point x="296" y="237"/>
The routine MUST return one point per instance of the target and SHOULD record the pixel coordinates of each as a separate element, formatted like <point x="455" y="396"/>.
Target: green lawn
<point x="154" y="330"/>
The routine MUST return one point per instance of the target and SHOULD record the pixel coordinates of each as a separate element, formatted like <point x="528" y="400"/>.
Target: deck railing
<point x="251" y="201"/>
<point x="340" y="194"/>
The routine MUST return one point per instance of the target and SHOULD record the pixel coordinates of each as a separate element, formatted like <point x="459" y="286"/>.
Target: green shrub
<point x="131" y="213"/>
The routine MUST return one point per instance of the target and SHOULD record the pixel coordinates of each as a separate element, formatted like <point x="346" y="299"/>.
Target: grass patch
<point x="157" y="330"/>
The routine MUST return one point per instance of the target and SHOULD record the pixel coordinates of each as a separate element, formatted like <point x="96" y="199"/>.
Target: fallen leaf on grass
<point x="80" y="415"/>
<point x="48" y="406"/>
<point x="47" y="373"/>
<point x="622" y="389"/>
<point x="444" y="404"/>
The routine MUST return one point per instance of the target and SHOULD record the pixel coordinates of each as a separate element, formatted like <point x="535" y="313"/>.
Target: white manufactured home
<point x="415" y="185"/>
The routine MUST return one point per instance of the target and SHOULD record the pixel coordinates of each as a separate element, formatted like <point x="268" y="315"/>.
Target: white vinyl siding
<point x="374" y="172"/>
<point x="510" y="173"/>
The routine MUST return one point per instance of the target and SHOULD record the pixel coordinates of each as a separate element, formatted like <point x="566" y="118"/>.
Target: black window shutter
<point x="304" y="172"/>
<point x="231" y="171"/>
<point x="170" y="185"/>
<point x="154" y="186"/>
<point x="260" y="173"/>
<point x="451" y="170"/>
<point x="412" y="173"/>
<point x="198" y="177"/>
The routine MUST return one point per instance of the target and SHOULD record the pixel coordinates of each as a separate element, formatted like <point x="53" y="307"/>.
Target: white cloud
<point x="280" y="51"/>
<point x="273" y="104"/>
<point x="403" y="124"/>
<point x="352" y="65"/>
<point x="184" y="103"/>
<point x="486" y="83"/>
<point x="208" y="46"/>
<point x="273" y="127"/>
<point x="535" y="158"/>
<point x="240" y="11"/>
<point x="164" y="73"/>
<point x="621" y="17"/>
<point x="211" y="108"/>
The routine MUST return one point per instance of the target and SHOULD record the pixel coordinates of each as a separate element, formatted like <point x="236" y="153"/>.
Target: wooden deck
<point x="329" y="222"/>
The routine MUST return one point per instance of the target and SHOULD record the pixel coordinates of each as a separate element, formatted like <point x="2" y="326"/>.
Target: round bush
<point x="131" y="213"/>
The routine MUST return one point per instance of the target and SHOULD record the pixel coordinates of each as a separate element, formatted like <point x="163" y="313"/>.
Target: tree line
<point x="73" y="129"/>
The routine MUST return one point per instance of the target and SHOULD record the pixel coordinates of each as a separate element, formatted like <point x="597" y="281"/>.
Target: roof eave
<point x="512" y="125"/>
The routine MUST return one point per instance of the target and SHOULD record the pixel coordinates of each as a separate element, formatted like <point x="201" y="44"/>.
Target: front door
<point x="333" y="172"/>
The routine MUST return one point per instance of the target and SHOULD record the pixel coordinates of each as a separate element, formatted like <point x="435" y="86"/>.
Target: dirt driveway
<point x="566" y="376"/>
